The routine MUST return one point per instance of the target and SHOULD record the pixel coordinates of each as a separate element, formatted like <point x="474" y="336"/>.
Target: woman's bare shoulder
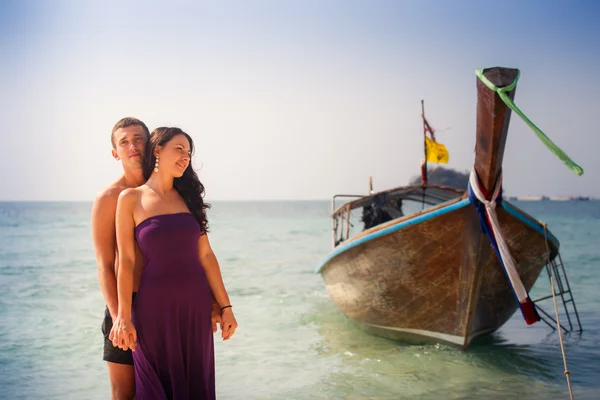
<point x="130" y="196"/>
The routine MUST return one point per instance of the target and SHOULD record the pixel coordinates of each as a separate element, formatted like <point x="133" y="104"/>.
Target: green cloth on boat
<point x="545" y="139"/>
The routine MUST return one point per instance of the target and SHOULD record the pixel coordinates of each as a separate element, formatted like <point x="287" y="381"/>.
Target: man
<point x="129" y="137"/>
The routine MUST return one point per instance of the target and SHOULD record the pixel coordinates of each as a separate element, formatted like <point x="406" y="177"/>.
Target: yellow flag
<point x="436" y="152"/>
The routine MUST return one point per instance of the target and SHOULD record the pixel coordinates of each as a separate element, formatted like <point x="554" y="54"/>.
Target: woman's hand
<point x="123" y="334"/>
<point x="228" y="323"/>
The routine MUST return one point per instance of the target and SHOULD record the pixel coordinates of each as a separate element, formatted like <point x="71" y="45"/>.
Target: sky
<point x="292" y="100"/>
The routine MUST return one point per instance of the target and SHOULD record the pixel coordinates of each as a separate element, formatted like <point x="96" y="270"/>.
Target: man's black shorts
<point x="111" y="353"/>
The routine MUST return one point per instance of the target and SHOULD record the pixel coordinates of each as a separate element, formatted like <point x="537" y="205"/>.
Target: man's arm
<point x="104" y="238"/>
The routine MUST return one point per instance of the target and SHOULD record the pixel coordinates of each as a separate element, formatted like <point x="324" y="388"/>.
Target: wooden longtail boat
<point x="456" y="266"/>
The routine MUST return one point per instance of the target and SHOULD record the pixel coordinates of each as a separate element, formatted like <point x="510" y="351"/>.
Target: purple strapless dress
<point x="174" y="358"/>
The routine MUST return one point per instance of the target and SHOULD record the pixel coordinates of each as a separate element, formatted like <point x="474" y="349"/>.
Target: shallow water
<point x="292" y="341"/>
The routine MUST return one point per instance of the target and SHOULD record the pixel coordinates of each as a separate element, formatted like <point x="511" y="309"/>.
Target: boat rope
<point x="562" y="346"/>
<point x="486" y="208"/>
<point x="545" y="139"/>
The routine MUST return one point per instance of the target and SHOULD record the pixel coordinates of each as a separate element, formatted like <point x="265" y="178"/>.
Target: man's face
<point x="130" y="143"/>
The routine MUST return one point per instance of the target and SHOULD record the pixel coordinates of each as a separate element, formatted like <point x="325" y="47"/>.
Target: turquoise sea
<point x="292" y="342"/>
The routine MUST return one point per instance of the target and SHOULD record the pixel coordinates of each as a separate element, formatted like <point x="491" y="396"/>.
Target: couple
<point x="159" y="276"/>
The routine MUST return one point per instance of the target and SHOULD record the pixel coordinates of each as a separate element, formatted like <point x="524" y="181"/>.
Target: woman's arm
<point x="213" y="271"/>
<point x="123" y="330"/>
<point x="215" y="281"/>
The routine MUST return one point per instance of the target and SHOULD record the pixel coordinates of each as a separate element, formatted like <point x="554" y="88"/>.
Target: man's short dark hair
<point x="124" y="123"/>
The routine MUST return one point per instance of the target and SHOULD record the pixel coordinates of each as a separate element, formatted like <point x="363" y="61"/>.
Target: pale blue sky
<point x="292" y="100"/>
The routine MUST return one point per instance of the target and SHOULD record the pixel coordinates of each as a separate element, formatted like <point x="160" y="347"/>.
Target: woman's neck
<point x="160" y="184"/>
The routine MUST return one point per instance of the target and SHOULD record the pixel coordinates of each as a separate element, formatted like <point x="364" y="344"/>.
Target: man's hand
<point x="123" y="334"/>
<point x="215" y="317"/>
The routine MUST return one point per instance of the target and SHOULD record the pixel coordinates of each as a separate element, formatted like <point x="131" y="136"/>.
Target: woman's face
<point x="174" y="156"/>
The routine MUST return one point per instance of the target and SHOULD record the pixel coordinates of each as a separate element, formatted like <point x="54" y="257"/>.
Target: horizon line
<point x="508" y="197"/>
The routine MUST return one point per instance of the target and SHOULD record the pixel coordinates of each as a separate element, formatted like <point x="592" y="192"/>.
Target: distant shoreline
<point x="550" y="198"/>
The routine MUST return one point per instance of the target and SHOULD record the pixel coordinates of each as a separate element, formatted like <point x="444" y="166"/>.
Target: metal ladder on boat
<point x="558" y="277"/>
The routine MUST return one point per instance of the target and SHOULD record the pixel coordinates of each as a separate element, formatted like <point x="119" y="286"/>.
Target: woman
<point x="169" y="326"/>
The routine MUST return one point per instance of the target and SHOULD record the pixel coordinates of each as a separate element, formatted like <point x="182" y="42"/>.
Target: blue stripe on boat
<point x="393" y="228"/>
<point x="425" y="217"/>
<point x="536" y="227"/>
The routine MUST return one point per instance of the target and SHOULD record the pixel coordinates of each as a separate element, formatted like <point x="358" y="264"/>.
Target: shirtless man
<point x="129" y="137"/>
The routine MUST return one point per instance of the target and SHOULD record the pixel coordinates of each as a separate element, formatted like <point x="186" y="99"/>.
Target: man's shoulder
<point x="109" y="195"/>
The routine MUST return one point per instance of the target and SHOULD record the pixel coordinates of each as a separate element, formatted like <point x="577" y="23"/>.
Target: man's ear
<point x="115" y="155"/>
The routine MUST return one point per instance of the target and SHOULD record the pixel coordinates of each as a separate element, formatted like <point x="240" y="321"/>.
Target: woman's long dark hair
<point x="188" y="185"/>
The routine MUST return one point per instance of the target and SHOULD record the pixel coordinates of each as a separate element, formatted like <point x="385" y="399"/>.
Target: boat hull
<point x="429" y="278"/>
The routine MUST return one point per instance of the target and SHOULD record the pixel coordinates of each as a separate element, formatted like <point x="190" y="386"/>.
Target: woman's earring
<point x="156" y="165"/>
